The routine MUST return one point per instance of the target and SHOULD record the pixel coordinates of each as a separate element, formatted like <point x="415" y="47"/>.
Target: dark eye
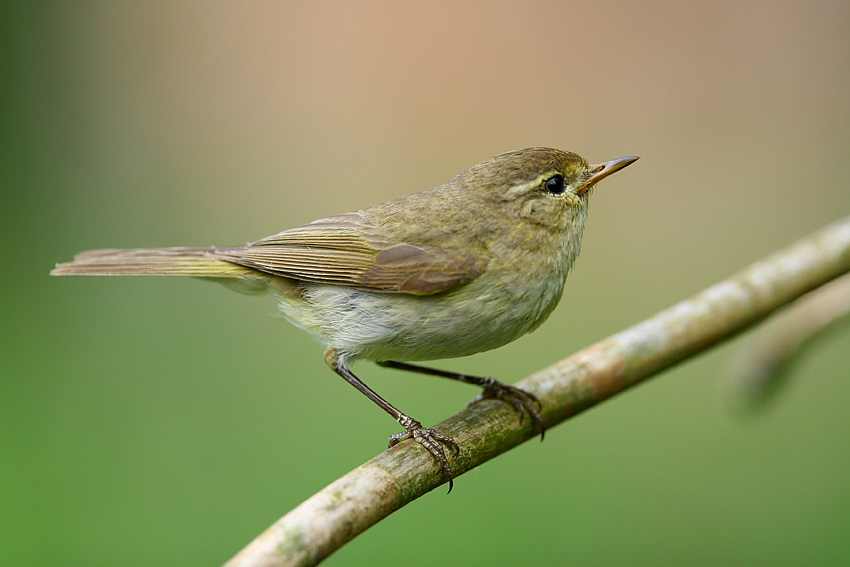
<point x="556" y="184"/>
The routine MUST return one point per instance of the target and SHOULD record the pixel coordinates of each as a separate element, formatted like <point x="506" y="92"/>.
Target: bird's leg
<point x="432" y="440"/>
<point x="521" y="400"/>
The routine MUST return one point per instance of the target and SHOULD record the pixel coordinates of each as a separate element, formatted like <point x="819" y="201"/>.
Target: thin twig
<point x="358" y="500"/>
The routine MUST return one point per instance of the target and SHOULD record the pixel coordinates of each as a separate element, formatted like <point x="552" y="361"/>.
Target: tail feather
<point x="151" y="262"/>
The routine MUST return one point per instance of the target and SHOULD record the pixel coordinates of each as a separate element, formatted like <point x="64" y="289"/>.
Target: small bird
<point x="463" y="268"/>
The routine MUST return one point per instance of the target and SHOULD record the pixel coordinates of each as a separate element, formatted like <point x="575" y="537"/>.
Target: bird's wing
<point x="344" y="250"/>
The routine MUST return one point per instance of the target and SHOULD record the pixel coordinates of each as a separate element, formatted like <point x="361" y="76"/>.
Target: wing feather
<point x="343" y="250"/>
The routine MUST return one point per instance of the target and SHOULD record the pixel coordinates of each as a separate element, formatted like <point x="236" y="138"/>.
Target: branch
<point x="350" y="505"/>
<point x="762" y="369"/>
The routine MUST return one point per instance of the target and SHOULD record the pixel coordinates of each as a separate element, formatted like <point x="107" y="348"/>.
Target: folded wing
<point x="342" y="250"/>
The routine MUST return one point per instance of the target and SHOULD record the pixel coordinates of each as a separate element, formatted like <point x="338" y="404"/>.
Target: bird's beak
<point x="600" y="171"/>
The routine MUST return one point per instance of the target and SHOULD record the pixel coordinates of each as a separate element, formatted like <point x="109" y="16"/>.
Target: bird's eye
<point x="556" y="184"/>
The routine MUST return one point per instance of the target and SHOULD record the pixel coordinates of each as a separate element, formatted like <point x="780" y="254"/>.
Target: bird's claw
<point x="522" y="401"/>
<point x="433" y="442"/>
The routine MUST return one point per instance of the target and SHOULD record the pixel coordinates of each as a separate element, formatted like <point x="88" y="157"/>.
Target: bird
<point x="463" y="268"/>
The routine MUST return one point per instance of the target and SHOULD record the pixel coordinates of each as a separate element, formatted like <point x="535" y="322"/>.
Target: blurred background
<point x="168" y="421"/>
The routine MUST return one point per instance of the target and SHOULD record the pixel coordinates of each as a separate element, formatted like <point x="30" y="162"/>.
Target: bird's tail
<point x="152" y="262"/>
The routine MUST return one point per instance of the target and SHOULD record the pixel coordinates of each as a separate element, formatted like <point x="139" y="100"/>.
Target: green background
<point x="166" y="421"/>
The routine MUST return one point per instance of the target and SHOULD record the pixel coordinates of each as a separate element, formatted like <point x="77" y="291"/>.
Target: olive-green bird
<point x="463" y="268"/>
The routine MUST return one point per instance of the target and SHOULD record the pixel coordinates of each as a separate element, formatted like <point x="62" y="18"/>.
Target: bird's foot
<point x="521" y="400"/>
<point x="433" y="442"/>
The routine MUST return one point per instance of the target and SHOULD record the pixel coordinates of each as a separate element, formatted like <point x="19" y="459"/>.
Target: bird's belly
<point x="379" y="326"/>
